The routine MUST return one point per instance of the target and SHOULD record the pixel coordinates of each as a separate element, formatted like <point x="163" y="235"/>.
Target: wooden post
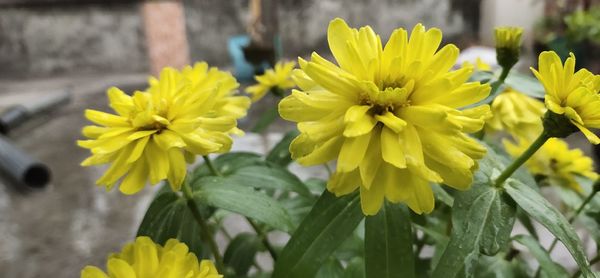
<point x="166" y="40"/>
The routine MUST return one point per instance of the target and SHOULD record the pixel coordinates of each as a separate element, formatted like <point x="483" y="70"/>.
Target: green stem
<point x="538" y="143"/>
<point x="204" y="229"/>
<point x="504" y="74"/>
<point x="211" y="167"/>
<point x="264" y="238"/>
<point x="256" y="228"/>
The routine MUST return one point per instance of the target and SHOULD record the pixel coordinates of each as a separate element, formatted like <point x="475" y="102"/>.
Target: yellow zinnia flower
<point x="517" y="114"/>
<point x="389" y="115"/>
<point x="153" y="133"/>
<point x="279" y="77"/>
<point x="508" y="37"/>
<point x="146" y="259"/>
<point x="556" y="161"/>
<point x="569" y="93"/>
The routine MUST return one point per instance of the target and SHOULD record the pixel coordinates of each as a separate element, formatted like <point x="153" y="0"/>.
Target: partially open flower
<point x="144" y="258"/>
<point x="390" y="115"/>
<point x="153" y="133"/>
<point x="517" y="114"/>
<point x="278" y="78"/>
<point x="570" y="94"/>
<point x="556" y="162"/>
<point x="508" y="45"/>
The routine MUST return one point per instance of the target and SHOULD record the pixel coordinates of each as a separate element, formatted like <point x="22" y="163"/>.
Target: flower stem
<point x="504" y="74"/>
<point x="204" y="229"/>
<point x="538" y="143"/>
<point x="211" y="166"/>
<point x="256" y="228"/>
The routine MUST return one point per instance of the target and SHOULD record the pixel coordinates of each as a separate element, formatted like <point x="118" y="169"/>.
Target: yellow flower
<point x="146" y="259"/>
<point x="569" y="93"/>
<point x="516" y="113"/>
<point x="154" y="133"/>
<point x="556" y="162"/>
<point x="389" y="115"/>
<point x="481" y="65"/>
<point x="279" y="77"/>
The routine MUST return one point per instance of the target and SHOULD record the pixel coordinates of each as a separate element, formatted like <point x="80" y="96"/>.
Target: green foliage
<point x="241" y="251"/>
<point x="388" y="243"/>
<point x="329" y="223"/>
<point x="550" y="268"/>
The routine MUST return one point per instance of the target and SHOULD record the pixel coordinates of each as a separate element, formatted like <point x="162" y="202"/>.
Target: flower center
<point x="389" y="97"/>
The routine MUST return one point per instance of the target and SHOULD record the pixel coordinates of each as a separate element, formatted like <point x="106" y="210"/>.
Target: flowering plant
<point x="421" y="186"/>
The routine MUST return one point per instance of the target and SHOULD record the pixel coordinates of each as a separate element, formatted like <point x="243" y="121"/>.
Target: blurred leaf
<point x="241" y="251"/>
<point x="169" y="217"/>
<point x="228" y="163"/>
<point x="355" y="268"/>
<point x="315" y="185"/>
<point x="352" y="247"/>
<point x="328" y="224"/>
<point x="526" y="222"/>
<point x="331" y="269"/>
<point x="388" y="243"/>
<point x="441" y="195"/>
<point x="550" y="268"/>
<point x="542" y="211"/>
<point x="526" y="84"/>
<point x="266" y="119"/>
<point x="280" y="154"/>
<point x="229" y="194"/>
<point x="298" y="207"/>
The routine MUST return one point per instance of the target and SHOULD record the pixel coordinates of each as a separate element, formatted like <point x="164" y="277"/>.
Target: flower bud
<point x="558" y="125"/>
<point x="508" y="44"/>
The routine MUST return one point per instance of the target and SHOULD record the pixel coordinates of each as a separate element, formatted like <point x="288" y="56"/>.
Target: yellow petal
<point x="105" y="119"/>
<point x="177" y="169"/>
<point x="372" y="199"/>
<point x="119" y="268"/>
<point x="321" y="153"/>
<point x="342" y="183"/>
<point x="136" y="178"/>
<point x="168" y="139"/>
<point x="391" y="121"/>
<point x="352" y="152"/>
<point x="593" y="138"/>
<point x="391" y="149"/>
<point x="92" y="272"/>
<point x="369" y="165"/>
<point x="158" y="161"/>
<point x="422" y="200"/>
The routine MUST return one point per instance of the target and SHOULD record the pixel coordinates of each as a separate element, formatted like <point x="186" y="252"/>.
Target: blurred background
<point x="58" y="57"/>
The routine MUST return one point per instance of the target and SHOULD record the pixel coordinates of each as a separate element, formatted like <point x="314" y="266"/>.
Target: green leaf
<point x="298" y="207"/>
<point x="526" y="221"/>
<point x="388" y="243"/>
<point x="542" y="211"/>
<point x="269" y="177"/>
<point x="228" y="163"/>
<point x="328" y="224"/>
<point x="241" y="251"/>
<point x="441" y="195"/>
<point x="550" y="268"/>
<point x="331" y="269"/>
<point x="482" y="219"/>
<point x="266" y="119"/>
<point x="226" y="194"/>
<point x="280" y="154"/>
<point x="525" y="84"/>
<point x="169" y="217"/>
<point x="355" y="268"/>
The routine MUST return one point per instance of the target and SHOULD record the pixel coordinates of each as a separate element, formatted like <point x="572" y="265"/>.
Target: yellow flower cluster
<point x="154" y="132"/>
<point x="569" y="93"/>
<point x="556" y="162"/>
<point x="390" y="115"/>
<point x="517" y="114"/>
<point x="279" y="77"/>
<point x="146" y="259"/>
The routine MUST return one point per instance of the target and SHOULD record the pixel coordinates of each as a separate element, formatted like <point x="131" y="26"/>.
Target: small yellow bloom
<point x="390" y="115"/>
<point x="481" y="65"/>
<point x="517" y="114"/>
<point x="279" y="77"/>
<point x="508" y="37"/>
<point x="569" y="93"/>
<point x="146" y="259"/>
<point x="556" y="162"/>
<point x="154" y="133"/>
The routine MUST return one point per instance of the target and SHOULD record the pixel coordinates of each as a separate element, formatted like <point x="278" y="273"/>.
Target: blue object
<point x="244" y="70"/>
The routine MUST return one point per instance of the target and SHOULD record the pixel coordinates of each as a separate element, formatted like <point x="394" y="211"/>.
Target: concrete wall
<point x="44" y="41"/>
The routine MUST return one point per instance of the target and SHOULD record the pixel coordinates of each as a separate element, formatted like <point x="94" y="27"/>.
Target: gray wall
<point x="44" y="40"/>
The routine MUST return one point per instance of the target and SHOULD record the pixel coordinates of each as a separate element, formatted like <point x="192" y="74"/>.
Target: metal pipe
<point x="20" y="167"/>
<point x="16" y="115"/>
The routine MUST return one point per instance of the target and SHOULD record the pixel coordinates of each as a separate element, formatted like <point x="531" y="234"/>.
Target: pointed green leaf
<point x="241" y="251"/>
<point x="269" y="177"/>
<point x="355" y="268"/>
<point x="542" y="211"/>
<point x="169" y="217"/>
<point x="228" y="163"/>
<point x="388" y="243"/>
<point x="331" y="269"/>
<point x="280" y="154"/>
<point x="226" y="194"/>
<point x="329" y="223"/>
<point x="551" y="269"/>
